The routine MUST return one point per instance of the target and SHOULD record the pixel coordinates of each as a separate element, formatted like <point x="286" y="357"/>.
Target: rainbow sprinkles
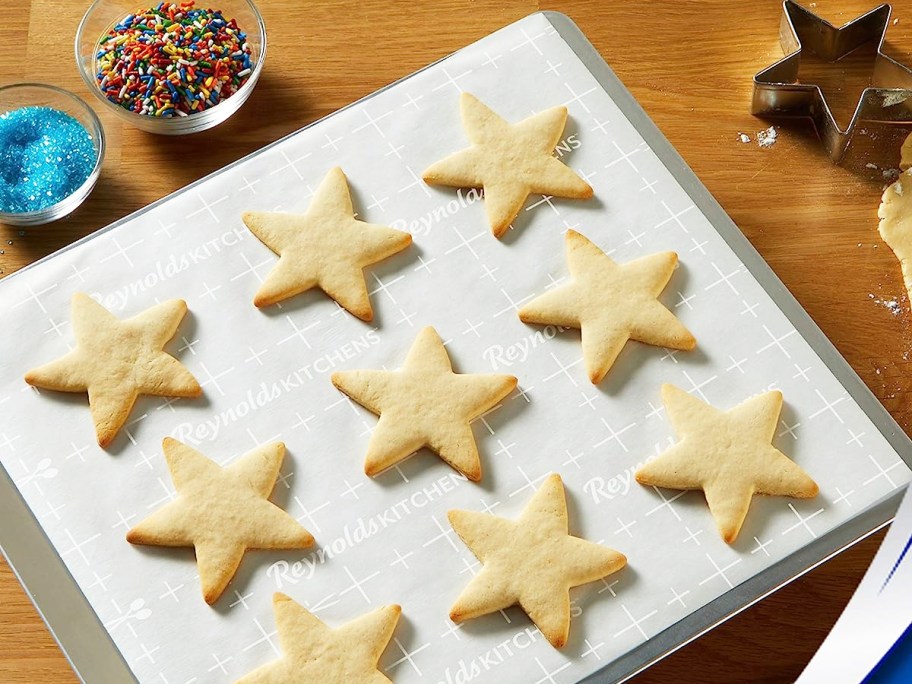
<point x="172" y="60"/>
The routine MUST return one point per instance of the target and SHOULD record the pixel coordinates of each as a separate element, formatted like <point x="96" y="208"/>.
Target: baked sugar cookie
<point x="510" y="161"/>
<point x="221" y="512"/>
<point x="327" y="247"/>
<point x="424" y="404"/>
<point x="313" y="652"/>
<point x="531" y="562"/>
<point x="895" y="227"/>
<point x="727" y="454"/>
<point x="117" y="360"/>
<point x="610" y="304"/>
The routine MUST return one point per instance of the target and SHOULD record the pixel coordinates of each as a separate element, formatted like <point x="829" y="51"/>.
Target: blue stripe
<point x="896" y="666"/>
<point x="896" y="564"/>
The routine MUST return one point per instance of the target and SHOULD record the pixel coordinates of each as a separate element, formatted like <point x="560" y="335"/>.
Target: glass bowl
<point x="21" y="95"/>
<point x="102" y="15"/>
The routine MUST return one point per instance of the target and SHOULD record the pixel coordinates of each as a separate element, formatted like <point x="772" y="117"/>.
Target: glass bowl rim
<point x="90" y="180"/>
<point x="88" y="76"/>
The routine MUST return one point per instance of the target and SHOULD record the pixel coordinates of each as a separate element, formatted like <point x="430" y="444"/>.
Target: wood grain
<point x="689" y="64"/>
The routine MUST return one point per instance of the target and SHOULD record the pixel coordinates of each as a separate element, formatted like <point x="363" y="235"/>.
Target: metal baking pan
<point x="95" y="658"/>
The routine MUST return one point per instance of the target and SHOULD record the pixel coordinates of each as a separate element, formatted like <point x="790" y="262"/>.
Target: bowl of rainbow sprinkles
<point x="171" y="68"/>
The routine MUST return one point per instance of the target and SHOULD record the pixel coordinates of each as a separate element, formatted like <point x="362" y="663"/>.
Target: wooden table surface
<point x="689" y="63"/>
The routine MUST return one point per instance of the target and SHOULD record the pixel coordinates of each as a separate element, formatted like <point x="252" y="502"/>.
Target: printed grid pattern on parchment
<point x="266" y="377"/>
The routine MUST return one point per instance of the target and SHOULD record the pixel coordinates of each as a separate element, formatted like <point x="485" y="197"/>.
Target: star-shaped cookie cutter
<point x="778" y="93"/>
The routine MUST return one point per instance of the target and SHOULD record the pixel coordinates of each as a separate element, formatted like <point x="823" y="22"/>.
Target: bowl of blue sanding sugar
<point x="51" y="149"/>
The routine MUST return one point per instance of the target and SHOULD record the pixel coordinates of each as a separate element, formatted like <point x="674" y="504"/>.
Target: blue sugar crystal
<point x="45" y="155"/>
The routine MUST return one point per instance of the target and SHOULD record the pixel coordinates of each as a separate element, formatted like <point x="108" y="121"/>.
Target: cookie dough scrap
<point x="117" y="360"/>
<point x="221" y="512"/>
<point x="727" y="454"/>
<point x="611" y="303"/>
<point x="895" y="226"/>
<point x="531" y="562"/>
<point x="424" y="404"/>
<point x="510" y="161"/>
<point x="314" y="652"/>
<point x="327" y="248"/>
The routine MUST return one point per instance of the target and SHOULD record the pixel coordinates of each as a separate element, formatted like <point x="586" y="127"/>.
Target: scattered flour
<point x="891" y="99"/>
<point x="767" y="138"/>
<point x="892" y="305"/>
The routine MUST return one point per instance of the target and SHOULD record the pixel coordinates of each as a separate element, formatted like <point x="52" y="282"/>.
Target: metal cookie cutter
<point x="778" y="93"/>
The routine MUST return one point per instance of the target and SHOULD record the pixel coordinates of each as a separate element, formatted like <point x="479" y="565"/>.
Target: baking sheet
<point x="387" y="540"/>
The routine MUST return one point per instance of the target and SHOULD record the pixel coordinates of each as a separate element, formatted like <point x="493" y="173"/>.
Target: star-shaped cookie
<point x="611" y="303"/>
<point x="326" y="248"/>
<point x="221" y="512"/>
<point x="424" y="404"/>
<point x="727" y="454"/>
<point x="510" y="161"/>
<point x="117" y="360"/>
<point x="531" y="562"/>
<point x="313" y="652"/>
